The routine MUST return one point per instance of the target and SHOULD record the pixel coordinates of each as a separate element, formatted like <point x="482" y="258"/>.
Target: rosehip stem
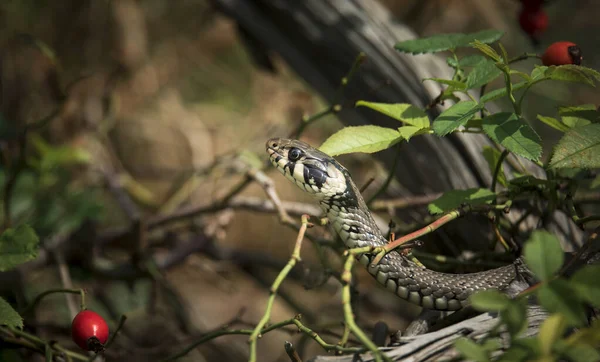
<point x="40" y="296"/>
<point x="524" y="56"/>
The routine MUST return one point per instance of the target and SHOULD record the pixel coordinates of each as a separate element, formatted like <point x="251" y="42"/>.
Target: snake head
<point x="309" y="168"/>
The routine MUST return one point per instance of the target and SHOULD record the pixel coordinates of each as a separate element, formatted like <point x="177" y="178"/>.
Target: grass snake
<point x="331" y="184"/>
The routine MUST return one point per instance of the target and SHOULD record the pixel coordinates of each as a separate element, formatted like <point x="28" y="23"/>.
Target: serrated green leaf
<point x="528" y="181"/>
<point x="403" y="112"/>
<point x="487" y="50"/>
<point x="471" y="350"/>
<point x="551" y="330"/>
<point x="482" y="74"/>
<point x="578" y="148"/>
<point x="9" y="316"/>
<point x="492" y="156"/>
<point x="501" y="92"/>
<point x="490" y="301"/>
<point x="467" y="61"/>
<point x="543" y="254"/>
<point x="17" y="246"/>
<point x="451" y="200"/>
<point x="409" y="131"/>
<point x="454" y="117"/>
<point x="585" y="281"/>
<point x="572" y="73"/>
<point x="525" y="76"/>
<point x="458" y="85"/>
<point x="557" y="297"/>
<point x="443" y="42"/>
<point x="367" y="139"/>
<point x="513" y="133"/>
<point x="515" y="317"/>
<point x="553" y="122"/>
<point x="576" y="116"/>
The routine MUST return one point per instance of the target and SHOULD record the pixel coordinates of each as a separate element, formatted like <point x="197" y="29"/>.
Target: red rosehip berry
<point x="533" y="21"/>
<point x="561" y="53"/>
<point x="89" y="331"/>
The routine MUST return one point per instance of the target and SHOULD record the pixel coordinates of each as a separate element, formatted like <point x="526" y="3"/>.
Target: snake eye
<point x="294" y="154"/>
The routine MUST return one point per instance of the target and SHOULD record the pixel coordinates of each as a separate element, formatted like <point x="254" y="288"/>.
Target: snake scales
<point x="330" y="183"/>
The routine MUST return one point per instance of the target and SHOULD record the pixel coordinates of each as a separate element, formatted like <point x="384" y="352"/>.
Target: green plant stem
<point x="41" y="345"/>
<point x="349" y="314"/>
<point x="41" y="296"/>
<point x="389" y="179"/>
<point x="295" y="321"/>
<point x="503" y="155"/>
<point x="523" y="56"/>
<point x="275" y="286"/>
<point x="345" y="336"/>
<point x="443" y="220"/>
<point x="585" y="219"/>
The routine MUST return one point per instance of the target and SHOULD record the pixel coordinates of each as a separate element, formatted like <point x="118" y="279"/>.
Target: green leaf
<point x="17" y="246"/>
<point x="442" y="42"/>
<point x="482" y="74"/>
<point x="467" y="61"/>
<point x="577" y="352"/>
<point x="9" y="316"/>
<point x="521" y="350"/>
<point x="572" y="73"/>
<point x="543" y="254"/>
<point x="453" y="199"/>
<point x="515" y="317"/>
<point x="471" y="350"/>
<point x="367" y="139"/>
<point x="487" y="50"/>
<point x="454" y="117"/>
<point x="499" y="93"/>
<point x="585" y="282"/>
<point x="578" y="148"/>
<point x="513" y="133"/>
<point x="557" y="297"/>
<point x="490" y="300"/>
<point x="458" y="85"/>
<point x="492" y="156"/>
<point x="408" y="131"/>
<point x="551" y="330"/>
<point x="579" y="115"/>
<point x="402" y="112"/>
<point x="553" y="122"/>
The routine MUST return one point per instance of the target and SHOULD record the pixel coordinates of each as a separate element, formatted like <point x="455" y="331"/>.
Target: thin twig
<point x="403" y="202"/>
<point x="67" y="282"/>
<point x="41" y="296"/>
<point x="389" y="179"/>
<point x="291" y="352"/>
<point x="273" y="291"/>
<point x="349" y="314"/>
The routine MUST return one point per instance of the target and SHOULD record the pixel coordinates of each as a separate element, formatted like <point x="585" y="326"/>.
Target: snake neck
<point x="349" y="216"/>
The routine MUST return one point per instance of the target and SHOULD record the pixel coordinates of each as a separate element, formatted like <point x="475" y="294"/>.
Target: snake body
<point x="330" y="183"/>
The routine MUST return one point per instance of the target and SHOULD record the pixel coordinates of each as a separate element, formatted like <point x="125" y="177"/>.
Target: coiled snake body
<point x="330" y="183"/>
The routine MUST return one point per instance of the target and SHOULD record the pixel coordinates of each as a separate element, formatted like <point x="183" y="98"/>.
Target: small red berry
<point x="533" y="21"/>
<point x="89" y="330"/>
<point x="561" y="53"/>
